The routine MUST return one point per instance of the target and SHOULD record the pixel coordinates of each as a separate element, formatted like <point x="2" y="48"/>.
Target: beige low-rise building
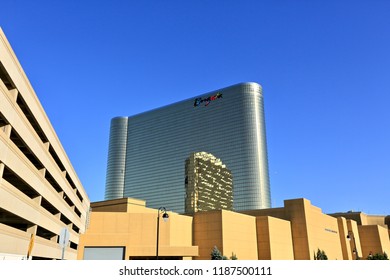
<point x="126" y="229"/>
<point x="40" y="193"/>
<point x="310" y="228"/>
<point x="373" y="233"/>
<point x="296" y="231"/>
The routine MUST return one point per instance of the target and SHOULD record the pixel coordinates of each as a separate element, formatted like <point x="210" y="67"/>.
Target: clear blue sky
<point x="324" y="67"/>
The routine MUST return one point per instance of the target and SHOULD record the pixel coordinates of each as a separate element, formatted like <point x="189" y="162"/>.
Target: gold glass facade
<point x="208" y="184"/>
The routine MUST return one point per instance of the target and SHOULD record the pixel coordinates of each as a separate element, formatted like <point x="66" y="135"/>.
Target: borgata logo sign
<point x="207" y="100"/>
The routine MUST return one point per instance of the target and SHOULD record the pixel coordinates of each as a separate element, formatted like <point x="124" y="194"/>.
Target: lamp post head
<point x="165" y="215"/>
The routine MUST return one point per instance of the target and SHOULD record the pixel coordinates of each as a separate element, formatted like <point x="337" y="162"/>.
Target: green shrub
<point x="378" y="256"/>
<point x="233" y="257"/>
<point x="216" y="254"/>
<point x="321" y="255"/>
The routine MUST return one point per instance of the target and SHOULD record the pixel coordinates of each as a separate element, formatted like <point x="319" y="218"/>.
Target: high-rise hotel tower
<point x="147" y="152"/>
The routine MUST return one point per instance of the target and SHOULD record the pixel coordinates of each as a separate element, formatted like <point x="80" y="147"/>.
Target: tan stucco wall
<point x="345" y="244"/>
<point x="207" y="232"/>
<point x="231" y="232"/>
<point x="180" y="230"/>
<point x="354" y="239"/>
<point x="274" y="239"/>
<point x="384" y="239"/>
<point x="311" y="229"/>
<point x="375" y="220"/>
<point x="298" y="231"/>
<point x="374" y="240"/>
<point x="295" y="212"/>
<point x="239" y="235"/>
<point x="362" y="218"/>
<point x="138" y="233"/>
<point x="129" y="205"/>
<point x="323" y="233"/>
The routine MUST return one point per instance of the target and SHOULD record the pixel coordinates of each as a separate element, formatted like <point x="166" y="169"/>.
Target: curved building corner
<point x="116" y="163"/>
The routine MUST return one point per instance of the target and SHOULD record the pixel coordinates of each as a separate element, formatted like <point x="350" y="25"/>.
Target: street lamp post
<point x="349" y="236"/>
<point x="165" y="217"/>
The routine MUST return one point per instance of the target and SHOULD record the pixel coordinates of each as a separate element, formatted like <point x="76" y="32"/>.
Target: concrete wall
<point x="345" y="244"/>
<point x="239" y="235"/>
<point x="310" y="228"/>
<point x="374" y="240"/>
<point x="231" y="232"/>
<point x="274" y="239"/>
<point x="137" y="232"/>
<point x="323" y="232"/>
<point x="40" y="192"/>
<point x="298" y="231"/>
<point x="207" y="232"/>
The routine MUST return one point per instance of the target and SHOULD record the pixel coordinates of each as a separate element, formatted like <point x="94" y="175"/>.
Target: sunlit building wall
<point x="127" y="229"/>
<point x="40" y="193"/>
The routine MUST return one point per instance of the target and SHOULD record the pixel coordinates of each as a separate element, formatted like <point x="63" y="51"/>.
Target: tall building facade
<point x="40" y="193"/>
<point x="147" y="151"/>
<point x="208" y="184"/>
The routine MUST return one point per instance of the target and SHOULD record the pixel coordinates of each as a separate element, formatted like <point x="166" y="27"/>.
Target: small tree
<point x="216" y="254"/>
<point x="378" y="256"/>
<point x="233" y="257"/>
<point x="321" y="255"/>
